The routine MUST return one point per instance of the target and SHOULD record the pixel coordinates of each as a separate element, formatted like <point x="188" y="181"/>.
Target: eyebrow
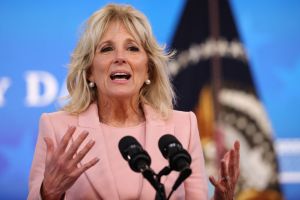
<point x="128" y="40"/>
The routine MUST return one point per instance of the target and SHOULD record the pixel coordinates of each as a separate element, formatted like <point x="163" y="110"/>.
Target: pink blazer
<point x="98" y="182"/>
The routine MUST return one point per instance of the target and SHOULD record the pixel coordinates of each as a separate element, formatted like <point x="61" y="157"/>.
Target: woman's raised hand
<point x="62" y="170"/>
<point x="229" y="174"/>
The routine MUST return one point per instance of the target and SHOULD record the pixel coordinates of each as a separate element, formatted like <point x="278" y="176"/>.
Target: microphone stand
<point x="154" y="180"/>
<point x="160" y="192"/>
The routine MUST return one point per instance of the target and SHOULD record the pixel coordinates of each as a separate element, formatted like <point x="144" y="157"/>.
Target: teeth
<point x="120" y="75"/>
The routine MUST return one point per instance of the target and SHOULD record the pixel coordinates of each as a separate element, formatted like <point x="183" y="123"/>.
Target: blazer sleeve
<point x="38" y="164"/>
<point x="196" y="186"/>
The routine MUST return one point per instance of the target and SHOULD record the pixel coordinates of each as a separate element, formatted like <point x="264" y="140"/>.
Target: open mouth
<point x="120" y="76"/>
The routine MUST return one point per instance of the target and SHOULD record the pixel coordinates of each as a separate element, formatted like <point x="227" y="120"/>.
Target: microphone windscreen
<point x="126" y="142"/>
<point x="132" y="151"/>
<point x="164" y="142"/>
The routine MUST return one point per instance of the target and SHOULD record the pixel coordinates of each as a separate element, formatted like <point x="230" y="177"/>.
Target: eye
<point x="133" y="48"/>
<point x="106" y="49"/>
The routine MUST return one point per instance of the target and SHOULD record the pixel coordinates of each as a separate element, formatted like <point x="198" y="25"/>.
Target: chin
<point x="122" y="95"/>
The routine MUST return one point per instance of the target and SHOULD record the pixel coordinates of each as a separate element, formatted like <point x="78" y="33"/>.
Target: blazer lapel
<point x="100" y="176"/>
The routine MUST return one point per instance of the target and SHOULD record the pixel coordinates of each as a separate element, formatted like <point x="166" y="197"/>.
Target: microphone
<point x="179" y="158"/>
<point x="131" y="150"/>
<point x="171" y="149"/>
<point x="139" y="161"/>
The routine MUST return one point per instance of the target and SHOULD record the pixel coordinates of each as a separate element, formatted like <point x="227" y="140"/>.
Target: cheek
<point x="142" y="65"/>
<point x="142" y="74"/>
<point x="99" y="71"/>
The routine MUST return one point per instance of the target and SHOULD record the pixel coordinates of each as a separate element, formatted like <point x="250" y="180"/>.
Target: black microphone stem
<point x="154" y="180"/>
<point x="160" y="192"/>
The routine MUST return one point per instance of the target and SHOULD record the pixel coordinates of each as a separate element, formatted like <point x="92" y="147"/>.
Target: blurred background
<point x="242" y="56"/>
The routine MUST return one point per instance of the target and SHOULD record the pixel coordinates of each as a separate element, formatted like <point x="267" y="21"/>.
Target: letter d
<point x="35" y="80"/>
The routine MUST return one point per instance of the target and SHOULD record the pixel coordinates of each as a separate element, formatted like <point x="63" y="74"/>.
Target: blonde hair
<point x="159" y="94"/>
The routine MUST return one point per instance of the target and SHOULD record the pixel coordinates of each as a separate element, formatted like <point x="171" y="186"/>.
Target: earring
<point x="147" y="82"/>
<point x="91" y="84"/>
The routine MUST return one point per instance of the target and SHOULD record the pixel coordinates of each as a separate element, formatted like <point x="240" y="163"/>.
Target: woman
<point x="118" y="86"/>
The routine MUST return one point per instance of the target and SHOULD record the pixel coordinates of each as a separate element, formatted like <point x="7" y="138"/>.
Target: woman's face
<point x="120" y="65"/>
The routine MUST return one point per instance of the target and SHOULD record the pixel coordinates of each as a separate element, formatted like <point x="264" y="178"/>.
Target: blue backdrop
<point x="37" y="38"/>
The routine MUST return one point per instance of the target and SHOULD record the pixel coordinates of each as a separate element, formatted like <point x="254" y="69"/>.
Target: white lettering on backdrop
<point x="4" y="85"/>
<point x="42" y="88"/>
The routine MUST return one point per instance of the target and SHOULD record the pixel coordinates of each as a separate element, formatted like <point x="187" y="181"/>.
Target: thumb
<point x="50" y="148"/>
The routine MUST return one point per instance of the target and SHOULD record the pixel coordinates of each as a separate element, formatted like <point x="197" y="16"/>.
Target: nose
<point x="120" y="57"/>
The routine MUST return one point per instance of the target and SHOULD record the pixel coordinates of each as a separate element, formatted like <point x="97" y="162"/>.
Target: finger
<point x="50" y="148"/>
<point x="74" y="147"/>
<point x="225" y="179"/>
<point x="231" y="164"/>
<point x="223" y="171"/>
<point x="83" y="152"/>
<point x="65" y="140"/>
<point x="86" y="166"/>
<point x="213" y="181"/>
<point x="237" y="157"/>
<point x="217" y="185"/>
<point x="226" y="157"/>
<point x="237" y="145"/>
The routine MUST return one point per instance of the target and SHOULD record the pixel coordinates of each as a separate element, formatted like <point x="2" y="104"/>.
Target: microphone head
<point x="125" y="143"/>
<point x="172" y="149"/>
<point x="132" y="151"/>
<point x="164" y="143"/>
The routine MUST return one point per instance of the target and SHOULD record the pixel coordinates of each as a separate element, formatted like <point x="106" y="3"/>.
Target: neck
<point x="120" y="113"/>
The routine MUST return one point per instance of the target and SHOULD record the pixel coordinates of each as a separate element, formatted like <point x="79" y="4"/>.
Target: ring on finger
<point x="225" y="178"/>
